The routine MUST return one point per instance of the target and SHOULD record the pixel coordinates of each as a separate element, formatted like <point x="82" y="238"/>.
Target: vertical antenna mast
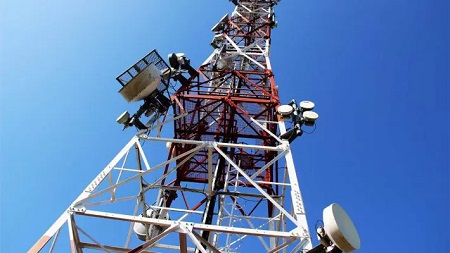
<point x="228" y="181"/>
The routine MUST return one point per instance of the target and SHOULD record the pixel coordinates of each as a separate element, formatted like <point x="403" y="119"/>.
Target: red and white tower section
<point x="210" y="168"/>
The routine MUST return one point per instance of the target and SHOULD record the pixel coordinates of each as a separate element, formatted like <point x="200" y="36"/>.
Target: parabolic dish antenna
<point x="310" y="115"/>
<point x="340" y="228"/>
<point x="285" y="110"/>
<point x="142" y="84"/>
<point x="307" y="105"/>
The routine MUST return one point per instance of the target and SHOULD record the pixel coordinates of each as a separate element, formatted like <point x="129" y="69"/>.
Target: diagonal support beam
<point x="91" y="196"/>
<point x="282" y="246"/>
<point x="37" y="247"/>
<point x="257" y="173"/>
<point x="97" y="243"/>
<point x="242" y="172"/>
<point x="210" y="246"/>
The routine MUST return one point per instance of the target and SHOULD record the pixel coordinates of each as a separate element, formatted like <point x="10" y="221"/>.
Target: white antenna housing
<point x="153" y="231"/>
<point x="340" y="228"/>
<point x="123" y="118"/>
<point x="142" y="85"/>
<point x="285" y="110"/>
<point x="307" y="105"/>
<point x="219" y="26"/>
<point x="310" y="116"/>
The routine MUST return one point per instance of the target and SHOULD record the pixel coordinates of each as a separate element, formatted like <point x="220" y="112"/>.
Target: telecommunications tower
<point x="227" y="181"/>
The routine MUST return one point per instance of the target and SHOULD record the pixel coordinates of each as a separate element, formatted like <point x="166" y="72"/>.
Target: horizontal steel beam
<point x="219" y="144"/>
<point x="200" y="226"/>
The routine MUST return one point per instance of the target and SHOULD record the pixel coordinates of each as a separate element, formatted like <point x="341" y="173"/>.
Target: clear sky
<point x="376" y="69"/>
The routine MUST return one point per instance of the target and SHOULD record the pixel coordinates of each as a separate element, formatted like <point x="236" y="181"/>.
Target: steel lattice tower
<point x="228" y="182"/>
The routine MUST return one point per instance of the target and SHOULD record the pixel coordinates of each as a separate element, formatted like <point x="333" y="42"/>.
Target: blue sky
<point x="377" y="71"/>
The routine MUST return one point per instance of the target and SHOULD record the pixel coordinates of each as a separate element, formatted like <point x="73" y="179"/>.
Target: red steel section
<point x="221" y="101"/>
<point x="234" y="87"/>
